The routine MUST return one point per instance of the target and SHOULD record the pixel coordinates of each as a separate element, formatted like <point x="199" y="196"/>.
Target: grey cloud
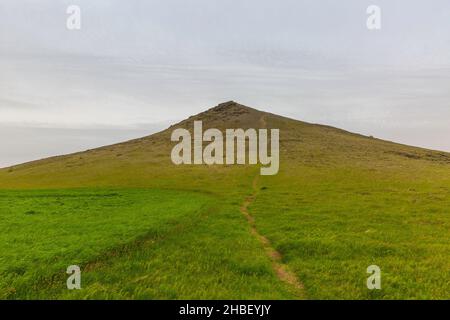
<point x="157" y="61"/>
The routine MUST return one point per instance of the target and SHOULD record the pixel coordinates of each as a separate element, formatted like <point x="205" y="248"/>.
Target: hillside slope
<point x="340" y="202"/>
<point x="146" y="161"/>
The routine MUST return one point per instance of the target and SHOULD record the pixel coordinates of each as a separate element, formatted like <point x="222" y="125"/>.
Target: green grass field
<point x="401" y="225"/>
<point x="140" y="244"/>
<point x="142" y="228"/>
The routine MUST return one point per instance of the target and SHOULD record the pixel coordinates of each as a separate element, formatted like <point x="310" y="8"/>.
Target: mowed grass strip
<point x="130" y="244"/>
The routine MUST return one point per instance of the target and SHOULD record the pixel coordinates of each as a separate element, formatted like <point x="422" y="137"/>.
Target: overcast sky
<point x="138" y="65"/>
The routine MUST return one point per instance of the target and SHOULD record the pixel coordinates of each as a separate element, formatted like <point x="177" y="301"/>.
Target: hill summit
<point x="138" y="162"/>
<point x="144" y="227"/>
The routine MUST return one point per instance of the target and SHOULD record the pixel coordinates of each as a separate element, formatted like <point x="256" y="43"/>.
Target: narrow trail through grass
<point x="282" y="270"/>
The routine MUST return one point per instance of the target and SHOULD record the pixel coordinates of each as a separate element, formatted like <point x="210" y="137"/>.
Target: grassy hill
<point x="141" y="227"/>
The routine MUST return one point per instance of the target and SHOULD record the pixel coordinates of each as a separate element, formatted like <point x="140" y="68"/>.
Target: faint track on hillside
<point x="282" y="270"/>
<point x="263" y="122"/>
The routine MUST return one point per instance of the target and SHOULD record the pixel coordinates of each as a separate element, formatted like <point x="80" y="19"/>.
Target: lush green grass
<point x="340" y="203"/>
<point x="330" y="225"/>
<point x="130" y="244"/>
